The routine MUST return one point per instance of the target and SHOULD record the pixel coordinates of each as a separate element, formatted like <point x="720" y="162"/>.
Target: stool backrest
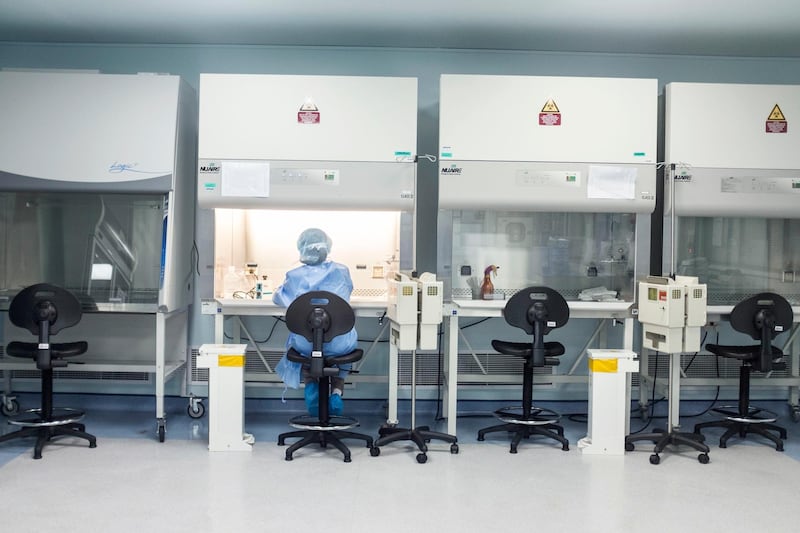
<point x="44" y="303"/>
<point x="536" y="304"/>
<point x="319" y="316"/>
<point x="537" y="310"/>
<point x="763" y="317"/>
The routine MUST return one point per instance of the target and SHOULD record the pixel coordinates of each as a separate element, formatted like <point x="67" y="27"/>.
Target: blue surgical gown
<point x="327" y="276"/>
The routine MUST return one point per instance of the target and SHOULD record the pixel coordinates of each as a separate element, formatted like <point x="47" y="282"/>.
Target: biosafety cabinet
<point x="733" y="198"/>
<point x="97" y="194"/>
<point x="281" y="153"/>
<point x="731" y="216"/>
<point x="549" y="178"/>
<point x="543" y="181"/>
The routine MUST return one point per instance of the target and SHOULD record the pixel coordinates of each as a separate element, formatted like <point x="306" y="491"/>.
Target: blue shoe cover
<point x="335" y="404"/>
<point x="311" y="394"/>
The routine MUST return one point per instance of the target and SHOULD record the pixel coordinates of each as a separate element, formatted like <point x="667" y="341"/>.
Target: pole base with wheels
<point x="420" y="436"/>
<point x="663" y="438"/>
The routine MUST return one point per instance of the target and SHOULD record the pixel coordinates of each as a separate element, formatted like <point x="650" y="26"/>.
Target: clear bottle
<point x="233" y="282"/>
<point x="219" y="281"/>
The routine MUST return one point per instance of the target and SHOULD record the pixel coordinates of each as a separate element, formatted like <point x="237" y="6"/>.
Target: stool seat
<point x="29" y="350"/>
<point x="525" y="350"/>
<point x="742" y="353"/>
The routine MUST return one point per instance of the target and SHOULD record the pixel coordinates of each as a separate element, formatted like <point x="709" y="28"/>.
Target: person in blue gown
<point x="317" y="273"/>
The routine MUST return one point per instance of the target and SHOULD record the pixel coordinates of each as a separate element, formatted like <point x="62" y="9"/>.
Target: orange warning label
<point x="551" y="107"/>
<point x="776" y="114"/>
<point x="550" y="115"/>
<point x="776" y="121"/>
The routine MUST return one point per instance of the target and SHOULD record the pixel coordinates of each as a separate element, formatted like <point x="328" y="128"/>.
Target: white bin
<point x="225" y="363"/>
<point x="609" y="401"/>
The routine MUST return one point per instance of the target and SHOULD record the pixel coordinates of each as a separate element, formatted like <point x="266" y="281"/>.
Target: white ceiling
<point x="756" y="28"/>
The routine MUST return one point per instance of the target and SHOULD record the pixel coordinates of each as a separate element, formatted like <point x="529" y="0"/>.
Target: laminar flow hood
<point x="97" y="186"/>
<point x="79" y="131"/>
<point x="305" y="142"/>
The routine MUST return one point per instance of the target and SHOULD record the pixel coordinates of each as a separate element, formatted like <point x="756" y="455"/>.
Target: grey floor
<point x="131" y="482"/>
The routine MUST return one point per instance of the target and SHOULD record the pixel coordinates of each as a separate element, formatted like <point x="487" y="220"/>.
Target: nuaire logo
<point x="452" y="170"/>
<point x="209" y="167"/>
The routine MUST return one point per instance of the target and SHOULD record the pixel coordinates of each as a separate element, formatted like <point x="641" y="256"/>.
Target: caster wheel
<point x="374" y="451"/>
<point x="454" y="448"/>
<point x="655" y="459"/>
<point x="197" y="410"/>
<point x="422" y="458"/>
<point x="480" y="437"/>
<point x="565" y="447"/>
<point x="347" y="459"/>
<point x="723" y="444"/>
<point x="779" y="448"/>
<point x="162" y="433"/>
<point x="93" y="445"/>
<point x="629" y="447"/>
<point x="10" y="407"/>
<point x="703" y="458"/>
<point x="288" y="457"/>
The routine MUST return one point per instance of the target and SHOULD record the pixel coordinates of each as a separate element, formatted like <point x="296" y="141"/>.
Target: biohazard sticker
<point x="776" y="121"/>
<point x="309" y="113"/>
<point x="550" y="115"/>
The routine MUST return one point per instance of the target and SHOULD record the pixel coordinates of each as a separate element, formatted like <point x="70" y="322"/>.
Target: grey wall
<point x="425" y="64"/>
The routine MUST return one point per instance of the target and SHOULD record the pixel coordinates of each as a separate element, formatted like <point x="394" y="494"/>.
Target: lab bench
<point x="232" y="310"/>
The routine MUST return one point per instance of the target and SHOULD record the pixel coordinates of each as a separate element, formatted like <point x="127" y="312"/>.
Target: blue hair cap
<point x="313" y="245"/>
